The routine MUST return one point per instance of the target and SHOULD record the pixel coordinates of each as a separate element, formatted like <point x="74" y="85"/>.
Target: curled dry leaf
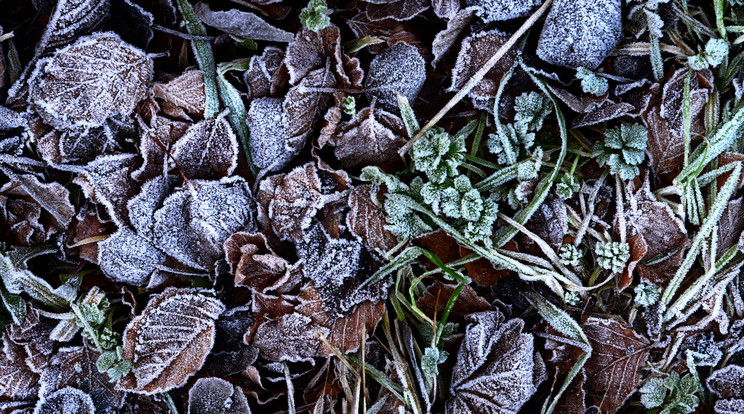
<point x="618" y="354"/>
<point x="16" y="377"/>
<point x="372" y="137"/>
<point x="208" y="149"/>
<point x="66" y="400"/>
<point x="241" y="24"/>
<point x="83" y="84"/>
<point x="638" y="250"/>
<point x="169" y="341"/>
<point x="496" y="356"/>
<point x="261" y="76"/>
<point x="217" y="396"/>
<point x="186" y="92"/>
<point x="398" y="70"/>
<point x="445" y="39"/>
<point x="475" y="51"/>
<point x="366" y="220"/>
<point x="253" y="262"/>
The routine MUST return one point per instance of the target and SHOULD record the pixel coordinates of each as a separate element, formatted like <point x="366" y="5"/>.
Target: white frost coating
<point x="170" y="340"/>
<point x="150" y="198"/>
<point x="241" y="24"/>
<point x="107" y="182"/>
<point x="580" y="32"/>
<point x="399" y="69"/>
<point x="268" y="143"/>
<point x="126" y="257"/>
<point x="498" y="10"/>
<point x="208" y="149"/>
<point x="66" y="400"/>
<point x="217" y="396"/>
<point x="494" y="356"/>
<point x="727" y="382"/>
<point x="83" y="84"/>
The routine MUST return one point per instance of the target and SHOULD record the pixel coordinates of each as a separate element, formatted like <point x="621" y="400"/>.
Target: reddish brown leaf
<point x="372" y="137"/>
<point x="638" y="249"/>
<point x="186" y="92"/>
<point x="475" y="51"/>
<point x="435" y="298"/>
<point x="253" y="262"/>
<point x="366" y="220"/>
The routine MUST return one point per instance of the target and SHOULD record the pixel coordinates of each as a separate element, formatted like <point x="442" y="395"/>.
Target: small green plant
<point x="431" y="359"/>
<point x="349" y="105"/>
<point x="647" y="294"/>
<point x="438" y="154"/>
<point x="313" y="17"/>
<point x="716" y="50"/>
<point x="612" y="255"/>
<point x="672" y="394"/>
<point x="591" y="82"/>
<point x="572" y="298"/>
<point x="622" y="150"/>
<point x="569" y="255"/>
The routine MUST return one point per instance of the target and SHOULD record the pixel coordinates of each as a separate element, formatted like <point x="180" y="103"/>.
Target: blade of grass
<point x="234" y="102"/>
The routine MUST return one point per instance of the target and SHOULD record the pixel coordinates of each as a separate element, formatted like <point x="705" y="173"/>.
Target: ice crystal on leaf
<point x="622" y="150"/>
<point x="716" y="50"/>
<point x="398" y="70"/>
<point x="216" y="396"/>
<point x="646" y="294"/>
<point x="499" y="10"/>
<point x="676" y="395"/>
<point x="438" y="154"/>
<point x="591" y="82"/>
<point x="169" y="341"/>
<point x="612" y="255"/>
<point x="431" y="359"/>
<point x="313" y="17"/>
<point x="496" y="356"/>
<point x="569" y="255"/>
<point x="128" y="257"/>
<point x="208" y="149"/>
<point x="510" y="141"/>
<point x="85" y="83"/>
<point x="241" y="24"/>
<point x="531" y="109"/>
<point x="566" y="186"/>
<point x="66" y="400"/>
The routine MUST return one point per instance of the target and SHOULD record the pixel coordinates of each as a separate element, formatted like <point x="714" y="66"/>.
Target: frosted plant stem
<point x="478" y="75"/>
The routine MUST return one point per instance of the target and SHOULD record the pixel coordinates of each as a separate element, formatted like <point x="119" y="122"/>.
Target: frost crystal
<point x="572" y="297"/>
<point x="313" y="17"/>
<point x="623" y="150"/>
<point x="647" y="294"/>
<point x="438" y="154"/>
<point x="580" y="33"/>
<point x="400" y="69"/>
<point x="498" y="10"/>
<point x="612" y="255"/>
<point x="66" y="400"/>
<point x="208" y="149"/>
<point x="532" y="108"/>
<point x="591" y="82"/>
<point x="569" y="255"/>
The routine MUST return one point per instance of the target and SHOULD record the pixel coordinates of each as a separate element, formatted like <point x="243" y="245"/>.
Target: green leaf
<point x="313" y="16"/>
<point x="234" y="102"/>
<point x="15" y="305"/>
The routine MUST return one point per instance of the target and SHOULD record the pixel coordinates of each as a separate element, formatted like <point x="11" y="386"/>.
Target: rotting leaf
<point x="217" y="396"/>
<point x="241" y="24"/>
<point x="496" y="356"/>
<point x="372" y="137"/>
<point x="208" y="149"/>
<point x="366" y="220"/>
<point x="169" y="341"/>
<point x="85" y="83"/>
<point x="398" y="70"/>
<point x="618" y="354"/>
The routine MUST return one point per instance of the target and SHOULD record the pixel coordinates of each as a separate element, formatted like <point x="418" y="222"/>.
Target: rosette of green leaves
<point x="622" y="150"/>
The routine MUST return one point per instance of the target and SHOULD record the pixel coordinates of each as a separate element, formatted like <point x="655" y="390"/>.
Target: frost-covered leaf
<point x="52" y="197"/>
<point x="169" y="341"/>
<point x="217" y="396"/>
<point x="731" y="225"/>
<point x="10" y="119"/>
<point x="253" y="262"/>
<point x="241" y="24"/>
<point x="496" y="356"/>
<point x="580" y="33"/>
<point x="154" y="141"/>
<point x="71" y="19"/>
<point x="292" y="200"/>
<point x="303" y="105"/>
<point x="372" y="137"/>
<point x="727" y="382"/>
<point x="85" y="83"/>
<point x="66" y="400"/>
<point x="290" y="337"/>
<point x="445" y="9"/>
<point x="398" y="10"/>
<point x="398" y="70"/>
<point x="310" y="51"/>
<point x="127" y="257"/>
<point x="618" y="354"/>
<point x="186" y="91"/>
<point x="499" y="10"/>
<point x="269" y="143"/>
<point x="733" y="406"/>
<point x="475" y="51"/>
<point x="76" y="367"/>
<point x="16" y="378"/>
<point x="445" y="39"/>
<point x="366" y="220"/>
<point x="106" y="180"/>
<point x="260" y="76"/>
<point x="208" y="149"/>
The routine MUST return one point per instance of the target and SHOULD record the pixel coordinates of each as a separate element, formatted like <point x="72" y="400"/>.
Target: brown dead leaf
<point x="475" y="51"/>
<point x="366" y="220"/>
<point x="638" y="249"/>
<point x="186" y="92"/>
<point x="398" y="10"/>
<point x="372" y="137"/>
<point x="253" y="262"/>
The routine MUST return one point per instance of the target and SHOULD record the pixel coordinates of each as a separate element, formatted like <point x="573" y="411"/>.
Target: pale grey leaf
<point x="186" y="91"/>
<point x="499" y="10"/>
<point x="398" y="10"/>
<point x="445" y="39"/>
<point x="66" y="400"/>
<point x="10" y="119"/>
<point x="208" y="149"/>
<point x="142" y="207"/>
<point x="241" y="24"/>
<point x="372" y="137"/>
<point x="732" y="406"/>
<point x="106" y="180"/>
<point x="475" y="51"/>
<point x="445" y="9"/>
<point x="269" y="144"/>
<point x="170" y="340"/>
<point x="126" y="257"/>
<point x="217" y="396"/>
<point x="398" y="70"/>
<point x="83" y="84"/>
<point x="580" y="33"/>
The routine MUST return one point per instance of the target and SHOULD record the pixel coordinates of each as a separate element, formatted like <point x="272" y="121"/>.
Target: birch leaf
<point x="127" y="257"/>
<point x="372" y="137"/>
<point x="186" y="91"/>
<point x="169" y="341"/>
<point x="85" y="83"/>
<point x="398" y="70"/>
<point x="208" y="149"/>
